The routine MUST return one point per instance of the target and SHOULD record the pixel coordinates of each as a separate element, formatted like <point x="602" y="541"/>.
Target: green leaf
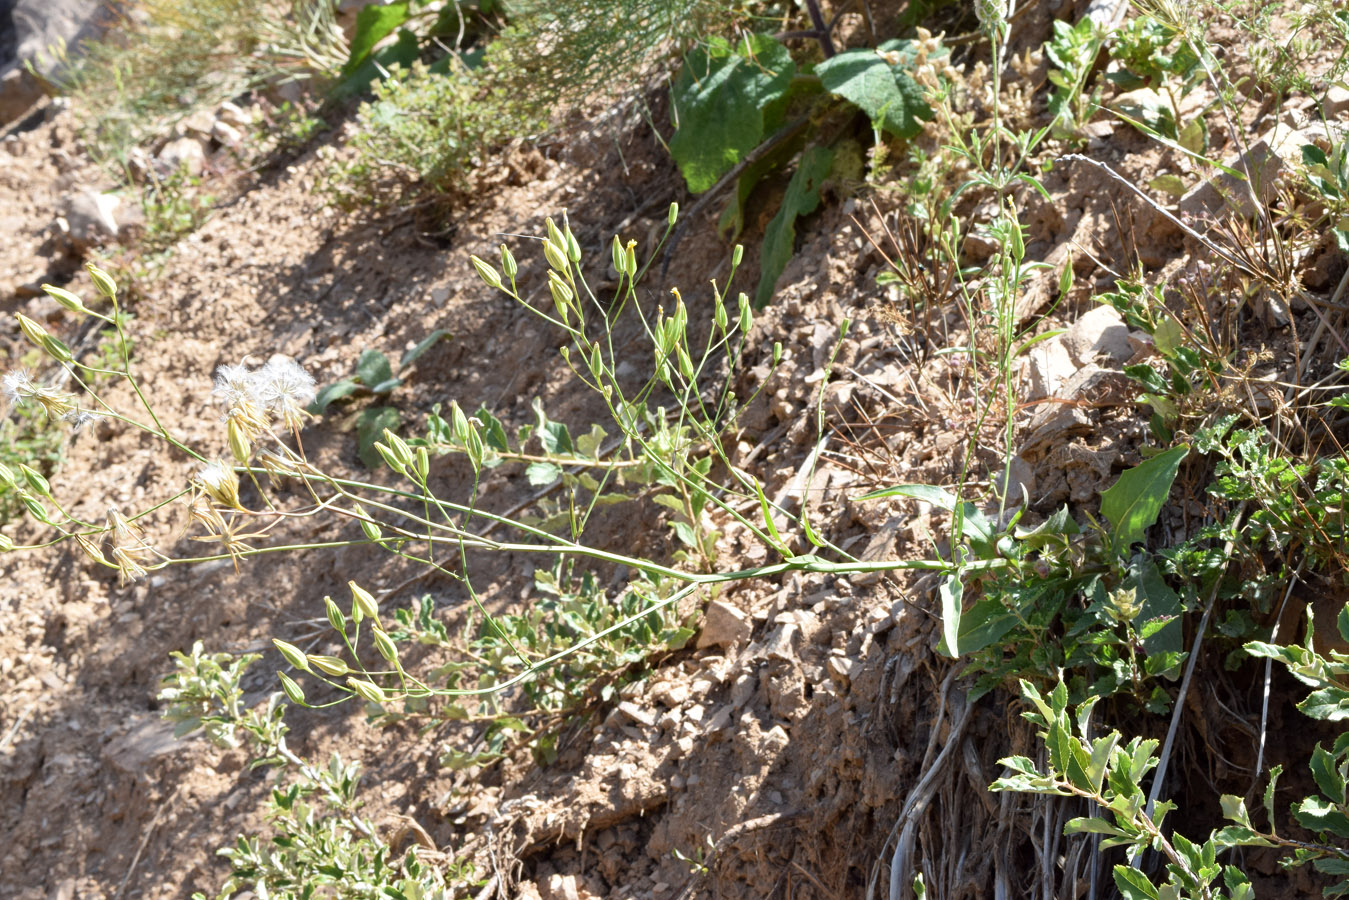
<point x="1327" y="775"/>
<point x="541" y="474"/>
<point x="1315" y="814"/>
<point x="403" y="53"/>
<point x="373" y="23"/>
<point x="370" y="428"/>
<point x="333" y="392"/>
<point x="422" y="346"/>
<point x="373" y="368"/>
<point x="877" y="82"/>
<point x="493" y="432"/>
<point x="802" y="197"/>
<point x="1329" y="704"/>
<point x="1133" y="502"/>
<point x="982" y="625"/>
<point x="951" y="591"/>
<point x="719" y="100"/>
<point x="554" y="436"/>
<point x="1092" y="825"/>
<point x="928" y="493"/>
<point x="1133" y="884"/>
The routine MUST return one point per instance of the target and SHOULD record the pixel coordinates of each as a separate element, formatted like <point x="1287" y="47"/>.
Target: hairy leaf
<point x="878" y="83"/>
<point x="719" y="101"/>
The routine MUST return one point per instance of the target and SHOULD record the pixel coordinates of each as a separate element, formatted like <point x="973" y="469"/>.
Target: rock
<point x="1049" y="366"/>
<point x="39" y="25"/>
<point x="840" y="669"/>
<point x="19" y="90"/>
<point x="1263" y="161"/>
<point x="723" y="626"/>
<point x="90" y="217"/>
<point x="1336" y="101"/>
<point x="186" y="153"/>
<point x="233" y="115"/>
<point x="1020" y="477"/>
<point x="199" y="124"/>
<point x="1100" y="331"/>
<point x="227" y="134"/>
<point x="147" y="740"/>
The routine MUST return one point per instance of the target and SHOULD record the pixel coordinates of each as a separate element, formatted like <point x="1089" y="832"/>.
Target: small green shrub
<point x="425" y="132"/>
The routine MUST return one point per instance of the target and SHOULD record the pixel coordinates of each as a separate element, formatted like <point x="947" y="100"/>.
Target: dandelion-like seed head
<point x="78" y="418"/>
<point x="17" y="387"/>
<point x="285" y="389"/>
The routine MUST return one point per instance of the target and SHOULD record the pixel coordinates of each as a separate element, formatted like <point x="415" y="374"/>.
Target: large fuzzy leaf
<point x="720" y="98"/>
<point x="802" y="197"/>
<point x="878" y="83"/>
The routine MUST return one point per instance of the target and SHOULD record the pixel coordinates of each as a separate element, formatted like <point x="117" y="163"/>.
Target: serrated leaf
<point x="1134" y="501"/>
<point x="877" y="82"/>
<point x="554" y="436"/>
<point x="541" y="474"/>
<point x="719" y="99"/>
<point x="802" y="197"/>
<point x="493" y="432"/>
<point x="1327" y="775"/>
<point x="1133" y="884"/>
<point x="1328" y="704"/>
<point x="1315" y="814"/>
<point x="1091" y="825"/>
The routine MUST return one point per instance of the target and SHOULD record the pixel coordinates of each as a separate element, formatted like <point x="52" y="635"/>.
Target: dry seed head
<point x="131" y="553"/>
<point x="285" y="389"/>
<point x="219" y="481"/>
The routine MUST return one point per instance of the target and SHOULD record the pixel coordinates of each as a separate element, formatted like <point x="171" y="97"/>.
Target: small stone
<point x="186" y="153"/>
<point x="637" y="714"/>
<point x="227" y="134"/>
<point x="91" y="217"/>
<point x="841" y="669"/>
<point x="1101" y="331"/>
<point x="1049" y="366"/>
<point x="723" y="626"/>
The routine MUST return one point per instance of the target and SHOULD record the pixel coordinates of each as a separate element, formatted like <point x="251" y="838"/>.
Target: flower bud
<point x="486" y="272"/>
<point x="384" y="644"/>
<point x="293" y="654"/>
<point x="103" y="281"/>
<point x="36" y="483"/>
<point x="292" y="689"/>
<point x="335" y="616"/>
<point x="508" y="264"/>
<point x="556" y="256"/>
<point x="367" y="690"/>
<point x="674" y="214"/>
<point x="620" y="258"/>
<point x="65" y="298"/>
<point x="329" y="665"/>
<point x="362" y="604"/>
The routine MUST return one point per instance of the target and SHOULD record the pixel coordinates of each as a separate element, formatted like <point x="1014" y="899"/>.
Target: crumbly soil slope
<point x="785" y="759"/>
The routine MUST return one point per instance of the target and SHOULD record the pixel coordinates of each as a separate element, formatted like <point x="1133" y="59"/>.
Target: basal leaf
<point x="803" y="196"/>
<point x="333" y="392"/>
<point x="719" y="101"/>
<point x="373" y="368"/>
<point x="878" y="83"/>
<point x="373" y="23"/>
<point x="422" y="346"/>
<point x="1133" y="502"/>
<point x="370" y="428"/>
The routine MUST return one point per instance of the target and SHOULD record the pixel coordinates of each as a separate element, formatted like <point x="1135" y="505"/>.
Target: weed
<point x="374" y="376"/>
